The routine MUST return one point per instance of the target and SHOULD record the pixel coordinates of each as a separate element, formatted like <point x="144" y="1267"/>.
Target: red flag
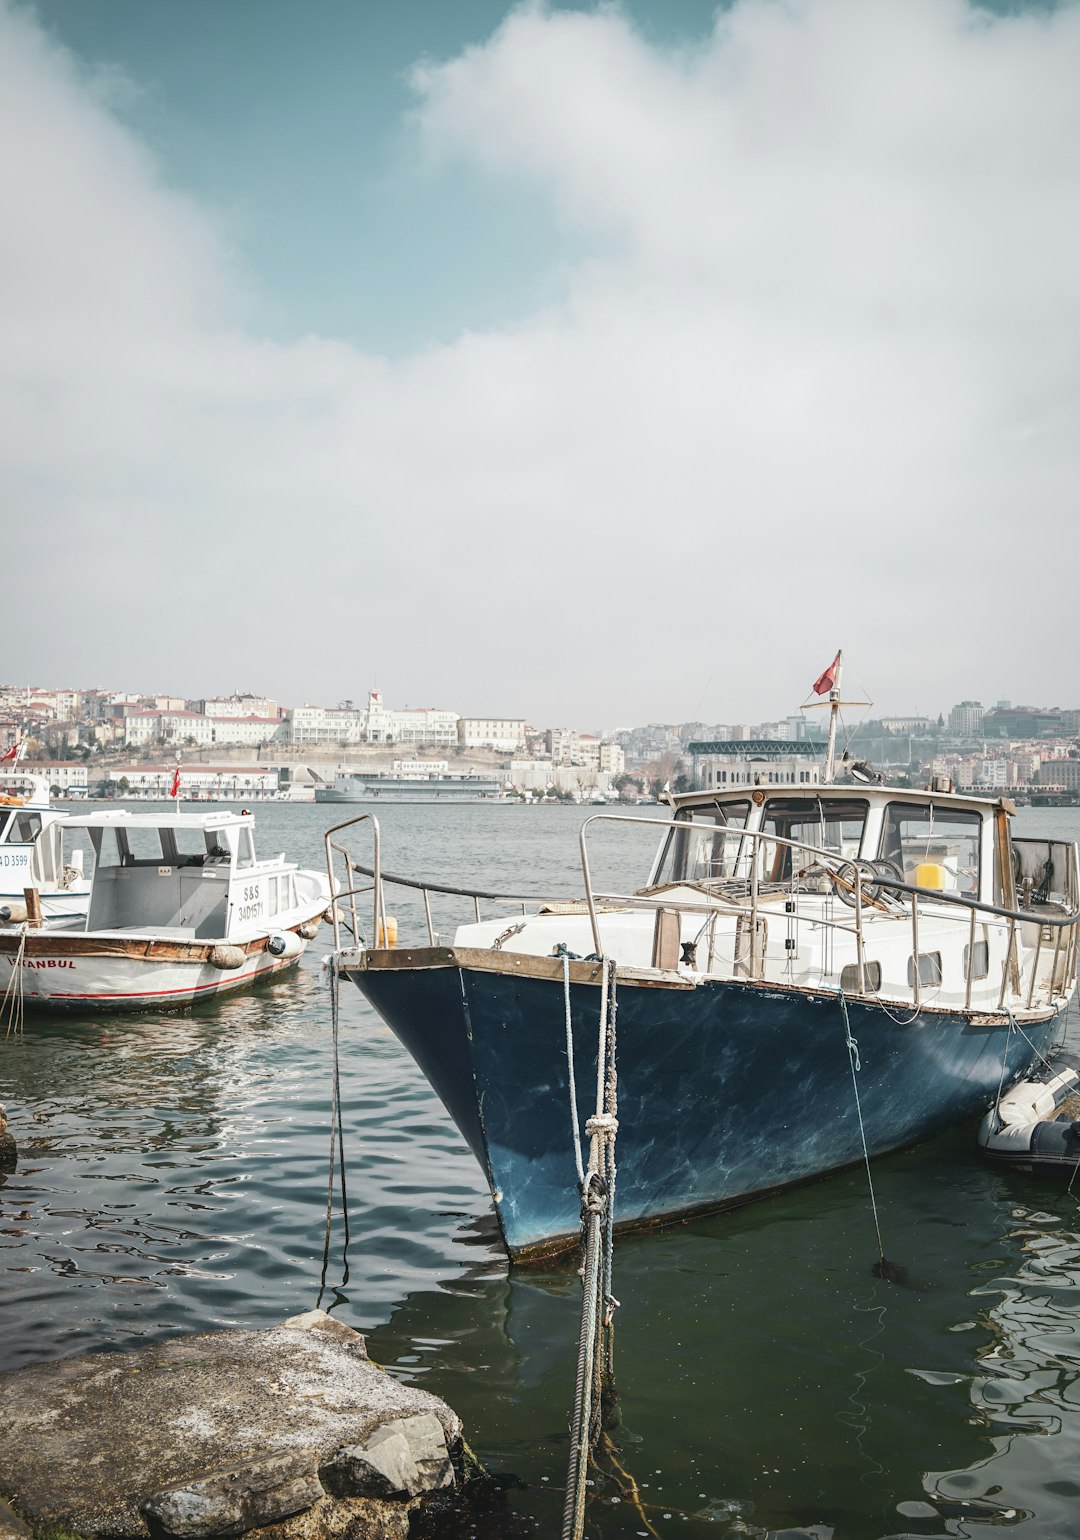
<point x="174" y="789"/>
<point x="824" y="684"/>
<point x="12" y="753"/>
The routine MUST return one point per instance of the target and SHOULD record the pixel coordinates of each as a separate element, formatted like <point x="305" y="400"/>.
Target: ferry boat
<point x="180" y="910"/>
<point x="808" y="973"/>
<point x="410" y="780"/>
<point x="30" y="852"/>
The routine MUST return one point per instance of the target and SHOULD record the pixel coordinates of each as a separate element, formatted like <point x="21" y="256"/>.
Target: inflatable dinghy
<point x="1036" y="1125"/>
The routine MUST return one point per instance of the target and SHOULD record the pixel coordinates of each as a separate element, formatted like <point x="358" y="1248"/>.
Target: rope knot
<point x="594" y="1195"/>
<point x="602" y="1123"/>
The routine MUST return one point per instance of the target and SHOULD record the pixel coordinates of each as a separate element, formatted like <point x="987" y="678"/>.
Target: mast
<point x="834" y="713"/>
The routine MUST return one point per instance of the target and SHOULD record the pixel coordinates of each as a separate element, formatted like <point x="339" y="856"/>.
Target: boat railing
<point x="348" y="891"/>
<point x="1062" y="929"/>
<point x="1057" y="927"/>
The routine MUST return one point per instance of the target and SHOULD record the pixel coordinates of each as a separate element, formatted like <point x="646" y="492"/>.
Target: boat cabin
<point x="939" y="842"/>
<point x="191" y="875"/>
<point x="31" y="853"/>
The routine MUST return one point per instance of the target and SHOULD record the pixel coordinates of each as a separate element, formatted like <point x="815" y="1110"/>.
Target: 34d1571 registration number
<point x="251" y="902"/>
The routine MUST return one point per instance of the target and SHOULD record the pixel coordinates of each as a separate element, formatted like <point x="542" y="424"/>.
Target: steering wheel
<point x="845" y="878"/>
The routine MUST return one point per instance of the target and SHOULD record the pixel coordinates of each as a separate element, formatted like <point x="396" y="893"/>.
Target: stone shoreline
<point x="292" y="1431"/>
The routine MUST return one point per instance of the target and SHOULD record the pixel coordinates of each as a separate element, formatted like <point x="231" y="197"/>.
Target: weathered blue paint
<point x="726" y="1090"/>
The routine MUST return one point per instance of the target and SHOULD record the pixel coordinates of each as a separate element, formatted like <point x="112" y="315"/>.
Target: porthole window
<point x="980" y="960"/>
<point x="929" y="968"/>
<point x="849" y="978"/>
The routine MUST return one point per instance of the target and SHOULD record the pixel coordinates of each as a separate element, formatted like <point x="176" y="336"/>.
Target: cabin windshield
<point x="706" y="847"/>
<point x="27" y="828"/>
<point x="934" y="847"/>
<point x="829" y="824"/>
<point x="107" y="851"/>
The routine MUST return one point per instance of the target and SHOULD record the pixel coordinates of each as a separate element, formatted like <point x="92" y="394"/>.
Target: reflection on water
<point x="173" y="1177"/>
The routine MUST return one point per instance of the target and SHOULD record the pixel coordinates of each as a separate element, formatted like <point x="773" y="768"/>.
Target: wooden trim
<point x="57" y="943"/>
<point x="484" y="960"/>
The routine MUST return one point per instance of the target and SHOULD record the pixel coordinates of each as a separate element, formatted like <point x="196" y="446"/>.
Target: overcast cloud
<point x="818" y="388"/>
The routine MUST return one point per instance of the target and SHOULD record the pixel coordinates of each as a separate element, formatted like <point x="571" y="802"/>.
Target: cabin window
<point x="189" y="844"/>
<point x="979" y="961"/>
<point x="929" y="968"/>
<point x="832" y="824"/>
<point x="245" y="849"/>
<point x="935" y="847"/>
<point x="140" y="845"/>
<point x="705" y="848"/>
<point x="849" y="978"/>
<point x="27" y="828"/>
<point x="107" y="850"/>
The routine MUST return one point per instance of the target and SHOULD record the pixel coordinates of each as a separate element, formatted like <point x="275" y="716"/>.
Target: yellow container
<point x="387" y="931"/>
<point x="930" y="875"/>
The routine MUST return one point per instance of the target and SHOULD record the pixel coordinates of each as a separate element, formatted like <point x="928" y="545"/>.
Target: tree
<point x="665" y="771"/>
<point x="628" y="786"/>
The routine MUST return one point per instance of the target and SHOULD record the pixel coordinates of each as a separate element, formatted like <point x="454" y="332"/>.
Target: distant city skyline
<point x="964" y="718"/>
<point x="606" y="362"/>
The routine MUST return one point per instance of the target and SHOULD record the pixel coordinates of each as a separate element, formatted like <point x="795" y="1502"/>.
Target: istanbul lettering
<point x="44" y="962"/>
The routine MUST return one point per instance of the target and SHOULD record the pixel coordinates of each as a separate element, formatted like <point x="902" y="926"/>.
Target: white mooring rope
<point x="597" y="1186"/>
<point x="13" y="1004"/>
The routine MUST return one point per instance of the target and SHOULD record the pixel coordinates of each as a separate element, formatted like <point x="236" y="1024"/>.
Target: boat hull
<point x="728" y="1090"/>
<point x="74" y="973"/>
<point x="373" y="792"/>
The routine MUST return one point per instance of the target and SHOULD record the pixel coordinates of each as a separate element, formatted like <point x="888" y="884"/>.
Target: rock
<point x="382" y="1468"/>
<point x="401" y="1458"/>
<point x="218" y="1433"/>
<point x="427" y="1444"/>
<point x="9" y="1152"/>
<point x="231" y="1502"/>
<point x="11" y="1526"/>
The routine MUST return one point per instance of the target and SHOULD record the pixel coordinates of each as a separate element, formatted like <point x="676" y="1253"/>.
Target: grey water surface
<point x="173" y="1178"/>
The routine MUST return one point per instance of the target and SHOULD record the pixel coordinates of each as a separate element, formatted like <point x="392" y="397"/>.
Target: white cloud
<point x="820" y="387"/>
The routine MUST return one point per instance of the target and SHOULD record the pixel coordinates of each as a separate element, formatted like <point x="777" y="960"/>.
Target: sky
<point x="597" y="364"/>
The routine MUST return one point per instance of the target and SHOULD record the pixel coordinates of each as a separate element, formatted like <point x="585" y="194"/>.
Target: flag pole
<point x="834" y="712"/>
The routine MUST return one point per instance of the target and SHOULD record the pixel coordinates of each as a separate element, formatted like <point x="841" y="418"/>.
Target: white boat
<point x="181" y="909"/>
<point x="30" y="852"/>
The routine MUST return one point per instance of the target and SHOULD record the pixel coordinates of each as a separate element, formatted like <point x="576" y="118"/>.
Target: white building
<point x="324" y="724"/>
<point x="991" y="773"/>
<point x="612" y="759"/>
<point x="240" y="706"/>
<point x="965" y="719"/>
<point x="504" y="734"/>
<point x="142" y="728"/>
<point x="198" y="782"/>
<point x="63" y="774"/>
<point x="753" y="762"/>
<point x="413" y="726"/>
<point x="562" y="744"/>
<point x="906" y="724"/>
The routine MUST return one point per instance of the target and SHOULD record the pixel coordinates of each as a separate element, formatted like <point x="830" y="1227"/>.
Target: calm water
<point x="173" y="1178"/>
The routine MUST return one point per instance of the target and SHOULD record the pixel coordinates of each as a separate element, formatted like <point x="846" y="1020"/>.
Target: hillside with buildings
<point x="247" y="745"/>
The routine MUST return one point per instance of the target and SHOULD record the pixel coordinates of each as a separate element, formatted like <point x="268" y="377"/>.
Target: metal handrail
<point x="833" y="863"/>
<point x="378" y="911"/>
<point x="438" y="887"/>
<point x="826" y="858"/>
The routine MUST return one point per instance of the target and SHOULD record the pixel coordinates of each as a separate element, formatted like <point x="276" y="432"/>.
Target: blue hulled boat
<point x="805" y="966"/>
